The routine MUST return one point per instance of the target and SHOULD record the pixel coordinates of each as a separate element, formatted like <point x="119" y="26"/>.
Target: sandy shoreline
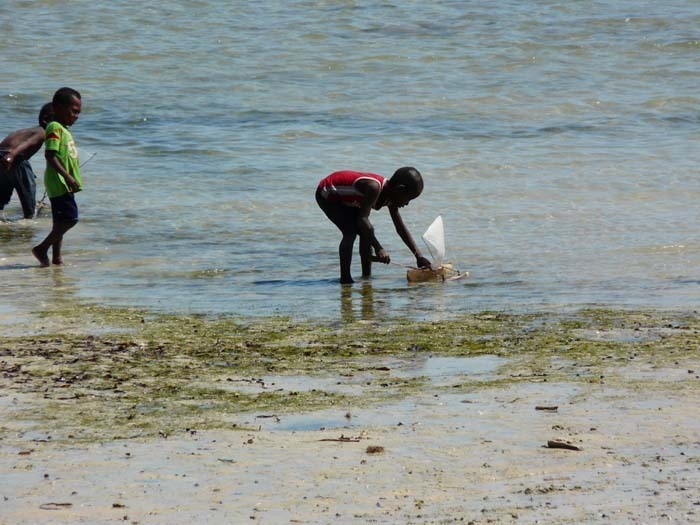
<point x="446" y="453"/>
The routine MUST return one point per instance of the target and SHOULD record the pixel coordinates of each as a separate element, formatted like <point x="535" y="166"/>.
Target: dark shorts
<point x="344" y="217"/>
<point x="64" y="208"/>
<point x="21" y="179"/>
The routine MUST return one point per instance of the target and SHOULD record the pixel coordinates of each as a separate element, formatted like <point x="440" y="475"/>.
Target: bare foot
<point x="41" y="257"/>
<point x="57" y="262"/>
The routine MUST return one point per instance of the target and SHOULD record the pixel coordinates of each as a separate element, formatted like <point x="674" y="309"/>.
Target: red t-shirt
<point x="340" y="186"/>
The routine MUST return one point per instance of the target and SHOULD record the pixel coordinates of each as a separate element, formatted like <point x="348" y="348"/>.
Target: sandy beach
<point x="443" y="459"/>
<point x="473" y="441"/>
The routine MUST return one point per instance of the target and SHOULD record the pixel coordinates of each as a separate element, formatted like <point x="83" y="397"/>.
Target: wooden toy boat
<point x="445" y="272"/>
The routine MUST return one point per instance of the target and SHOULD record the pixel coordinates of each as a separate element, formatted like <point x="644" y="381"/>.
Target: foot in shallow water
<point x="57" y="261"/>
<point x="42" y="257"/>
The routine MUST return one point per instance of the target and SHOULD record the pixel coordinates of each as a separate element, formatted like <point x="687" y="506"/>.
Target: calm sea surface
<point x="559" y="140"/>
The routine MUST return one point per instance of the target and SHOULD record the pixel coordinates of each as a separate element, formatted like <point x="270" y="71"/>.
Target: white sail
<point x="434" y="237"/>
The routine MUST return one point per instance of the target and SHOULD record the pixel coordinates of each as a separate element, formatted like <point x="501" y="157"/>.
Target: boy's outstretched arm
<point x="370" y="191"/>
<point x="55" y="162"/>
<point x="406" y="237"/>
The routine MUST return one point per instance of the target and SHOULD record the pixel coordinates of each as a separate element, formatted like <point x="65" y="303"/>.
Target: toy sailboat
<point x="434" y="238"/>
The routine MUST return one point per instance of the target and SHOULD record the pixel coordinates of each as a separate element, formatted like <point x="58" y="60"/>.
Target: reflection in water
<point x="18" y="233"/>
<point x="63" y="287"/>
<point x="30" y="291"/>
<point x="347" y="309"/>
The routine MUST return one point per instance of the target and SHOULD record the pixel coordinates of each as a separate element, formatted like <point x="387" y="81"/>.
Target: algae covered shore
<point x="392" y="422"/>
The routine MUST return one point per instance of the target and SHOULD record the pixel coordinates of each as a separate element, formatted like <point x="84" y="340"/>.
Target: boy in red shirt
<point x="348" y="197"/>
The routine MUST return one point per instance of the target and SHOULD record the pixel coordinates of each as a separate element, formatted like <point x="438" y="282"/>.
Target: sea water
<point x="560" y="141"/>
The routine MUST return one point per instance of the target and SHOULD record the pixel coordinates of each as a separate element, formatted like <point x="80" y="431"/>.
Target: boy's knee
<point x="65" y="224"/>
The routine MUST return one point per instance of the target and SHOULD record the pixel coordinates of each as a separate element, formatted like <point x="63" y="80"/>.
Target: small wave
<point x="679" y="119"/>
<point x="680" y="45"/>
<point x="209" y="273"/>
<point x="295" y="282"/>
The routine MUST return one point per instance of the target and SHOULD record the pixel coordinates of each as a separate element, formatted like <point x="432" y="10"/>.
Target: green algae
<point x="121" y="372"/>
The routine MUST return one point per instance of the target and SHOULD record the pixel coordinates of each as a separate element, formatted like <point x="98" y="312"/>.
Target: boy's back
<point x="16" y="173"/>
<point x="33" y="138"/>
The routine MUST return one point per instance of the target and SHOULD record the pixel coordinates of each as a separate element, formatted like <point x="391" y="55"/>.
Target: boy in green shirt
<point x="62" y="175"/>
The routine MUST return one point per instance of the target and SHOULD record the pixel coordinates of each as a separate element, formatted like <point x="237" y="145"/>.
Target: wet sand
<point x="444" y="454"/>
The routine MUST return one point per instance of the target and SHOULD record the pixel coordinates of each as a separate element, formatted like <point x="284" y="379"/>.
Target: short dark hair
<point x="410" y="178"/>
<point x="63" y="96"/>
<point x="46" y="113"/>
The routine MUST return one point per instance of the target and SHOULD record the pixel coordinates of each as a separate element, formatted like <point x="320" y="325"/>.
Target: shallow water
<point x="558" y="141"/>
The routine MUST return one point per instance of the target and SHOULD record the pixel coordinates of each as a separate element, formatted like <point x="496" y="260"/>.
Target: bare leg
<point x="41" y="256"/>
<point x="53" y="239"/>
<point x="366" y="257"/>
<point x="56" y="252"/>
<point x="345" y="218"/>
<point x="345" y="252"/>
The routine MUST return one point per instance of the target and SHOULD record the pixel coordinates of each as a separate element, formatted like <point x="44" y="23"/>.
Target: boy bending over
<point x="16" y="173"/>
<point x="348" y="197"/>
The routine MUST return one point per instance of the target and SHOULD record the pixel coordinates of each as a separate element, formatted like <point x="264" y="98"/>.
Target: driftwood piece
<point x="55" y="506"/>
<point x="559" y="443"/>
<point x="343" y="439"/>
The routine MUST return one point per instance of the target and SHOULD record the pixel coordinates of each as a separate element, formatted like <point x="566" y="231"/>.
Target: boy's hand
<point x="382" y="257"/>
<point x="422" y="262"/>
<point x="72" y="184"/>
<point x="7" y="160"/>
